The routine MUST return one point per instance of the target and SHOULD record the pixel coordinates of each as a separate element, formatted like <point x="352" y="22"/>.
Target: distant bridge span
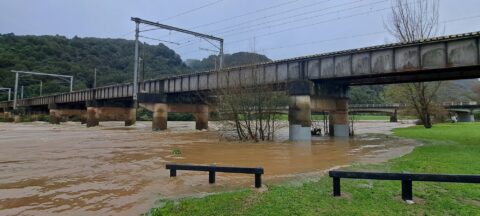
<point x="464" y="110"/>
<point x="315" y="83"/>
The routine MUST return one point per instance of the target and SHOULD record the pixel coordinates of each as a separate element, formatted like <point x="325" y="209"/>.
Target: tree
<point x="250" y="109"/>
<point x="410" y="21"/>
<point x="252" y="114"/>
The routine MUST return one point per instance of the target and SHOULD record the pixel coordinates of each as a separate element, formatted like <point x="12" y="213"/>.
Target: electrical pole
<point x="71" y="84"/>
<point x="41" y="87"/>
<point x="16" y="92"/>
<point x="66" y="78"/>
<point x="9" y="92"/>
<point x="95" y="78"/>
<point x="135" y="65"/>
<point x="171" y="28"/>
<point x="221" y="54"/>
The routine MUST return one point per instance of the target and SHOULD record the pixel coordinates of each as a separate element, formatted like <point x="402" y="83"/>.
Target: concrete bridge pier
<point x="97" y="114"/>
<point x="333" y="98"/>
<point x="93" y="117"/>
<point x="338" y="118"/>
<point x="299" y="111"/>
<point x="466" y="117"/>
<point x="201" y="117"/>
<point x="58" y="115"/>
<point x="160" y="116"/>
<point x="55" y="116"/>
<point x="7" y="116"/>
<point x="299" y="118"/>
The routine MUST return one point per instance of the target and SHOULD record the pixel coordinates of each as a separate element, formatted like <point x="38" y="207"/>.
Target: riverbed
<point x="69" y="169"/>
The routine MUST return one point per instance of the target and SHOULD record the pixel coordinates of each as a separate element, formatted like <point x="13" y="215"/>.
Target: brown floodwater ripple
<point x="114" y="170"/>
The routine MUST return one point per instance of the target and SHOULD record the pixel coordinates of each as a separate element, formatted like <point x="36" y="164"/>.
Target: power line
<point x="242" y="15"/>
<point x="192" y="10"/>
<point x="305" y="18"/>
<point x="357" y="36"/>
<point x="155" y="39"/>
<point x="246" y="14"/>
<point x="312" y="24"/>
<point x="271" y="15"/>
<point x="235" y="31"/>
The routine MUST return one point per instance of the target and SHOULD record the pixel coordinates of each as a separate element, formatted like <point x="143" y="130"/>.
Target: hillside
<point x="230" y="60"/>
<point x="113" y="59"/>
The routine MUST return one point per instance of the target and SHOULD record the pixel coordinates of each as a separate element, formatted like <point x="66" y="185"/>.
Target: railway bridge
<point x="464" y="110"/>
<point x="315" y="83"/>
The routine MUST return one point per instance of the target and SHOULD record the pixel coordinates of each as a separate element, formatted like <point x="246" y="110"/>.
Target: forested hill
<point x="113" y="59"/>
<point x="230" y="60"/>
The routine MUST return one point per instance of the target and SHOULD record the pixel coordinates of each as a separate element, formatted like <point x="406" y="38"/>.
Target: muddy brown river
<point x="114" y="170"/>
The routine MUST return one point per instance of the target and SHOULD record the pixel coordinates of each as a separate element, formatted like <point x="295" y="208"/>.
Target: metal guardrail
<point x="406" y="178"/>
<point x="213" y="169"/>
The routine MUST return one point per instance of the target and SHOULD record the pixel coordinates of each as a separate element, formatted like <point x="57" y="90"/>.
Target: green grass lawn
<point x="449" y="148"/>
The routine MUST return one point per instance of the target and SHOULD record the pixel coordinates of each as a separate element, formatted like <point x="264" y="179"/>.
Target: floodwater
<point x="114" y="170"/>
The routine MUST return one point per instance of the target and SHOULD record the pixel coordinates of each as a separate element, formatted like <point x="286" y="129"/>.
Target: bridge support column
<point x="299" y="118"/>
<point x="333" y="98"/>
<point x="17" y="118"/>
<point x="97" y="114"/>
<point x="201" y="117"/>
<point x="7" y="116"/>
<point x="466" y="117"/>
<point x="299" y="111"/>
<point x="160" y="115"/>
<point x="55" y="116"/>
<point x="338" y="119"/>
<point x="61" y="115"/>
<point x="93" y="117"/>
<point x="130" y="116"/>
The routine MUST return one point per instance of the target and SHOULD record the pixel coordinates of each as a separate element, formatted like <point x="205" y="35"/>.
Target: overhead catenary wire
<point x="308" y="25"/>
<point x="236" y="33"/>
<point x="191" y="10"/>
<point x="271" y="15"/>
<point x="155" y="39"/>
<point x="357" y="36"/>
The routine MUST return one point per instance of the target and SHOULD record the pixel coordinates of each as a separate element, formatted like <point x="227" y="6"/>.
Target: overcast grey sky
<point x="276" y="28"/>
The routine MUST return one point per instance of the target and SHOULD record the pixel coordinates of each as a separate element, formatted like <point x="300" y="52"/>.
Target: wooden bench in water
<point x="213" y="169"/>
<point x="406" y="178"/>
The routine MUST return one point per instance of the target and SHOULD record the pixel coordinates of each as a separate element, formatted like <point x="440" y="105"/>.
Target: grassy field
<point x="449" y="148"/>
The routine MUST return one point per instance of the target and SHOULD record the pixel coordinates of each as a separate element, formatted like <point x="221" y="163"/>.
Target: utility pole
<point x="163" y="26"/>
<point x="16" y="92"/>
<point x="9" y="92"/>
<point x="22" y="93"/>
<point x="71" y="83"/>
<point x="63" y="77"/>
<point x="135" y="65"/>
<point x="41" y="87"/>
<point x="221" y="55"/>
<point x="95" y="78"/>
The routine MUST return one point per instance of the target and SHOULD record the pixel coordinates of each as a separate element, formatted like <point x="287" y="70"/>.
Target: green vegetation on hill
<point x="113" y="59"/>
<point x="448" y="148"/>
<point x="230" y="60"/>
